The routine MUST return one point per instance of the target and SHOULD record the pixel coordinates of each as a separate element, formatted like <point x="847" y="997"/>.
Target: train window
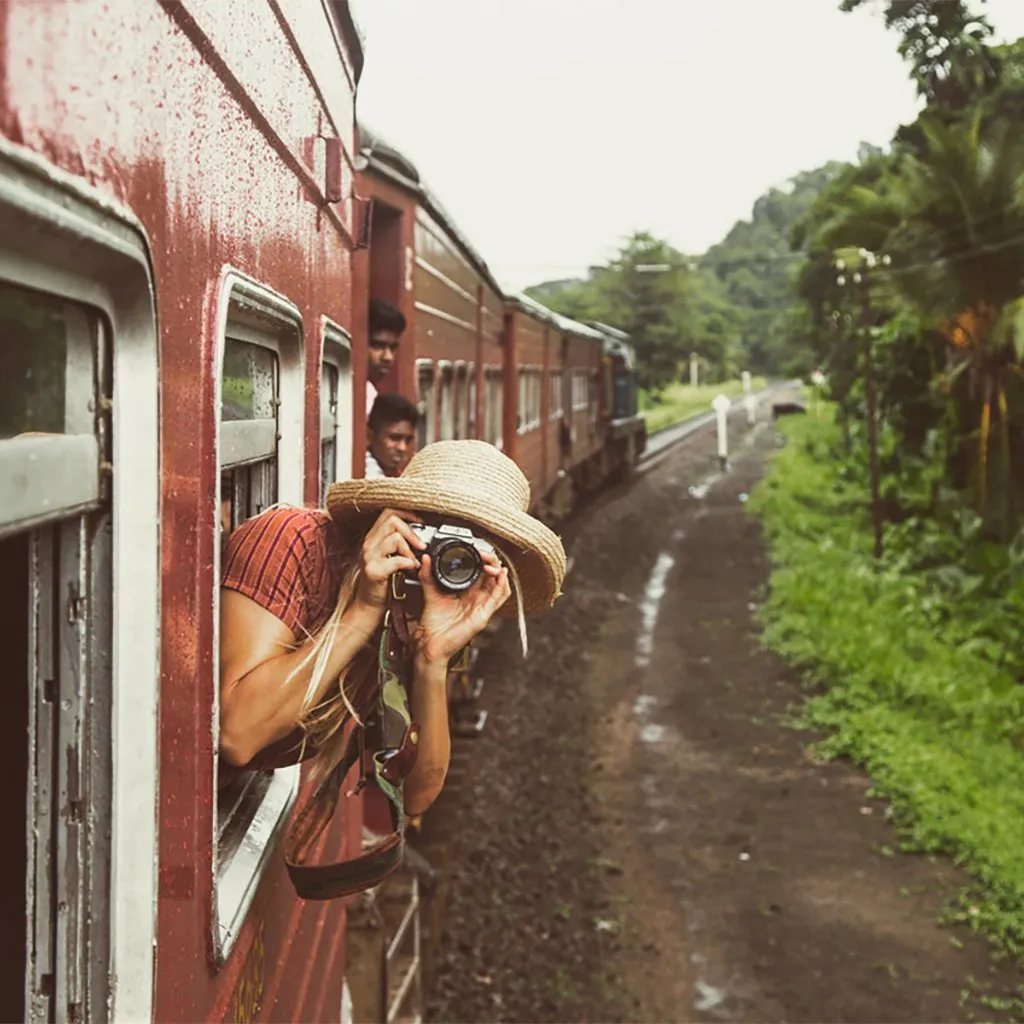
<point x="447" y="401"/>
<point x="469" y="429"/>
<point x="260" y="454"/>
<point x="56" y="611"/>
<point x="579" y="390"/>
<point x="459" y="401"/>
<point x="554" y="395"/>
<point x="592" y="400"/>
<point x="425" y="401"/>
<point x="529" y="399"/>
<point x="335" y="409"/>
<point x="494" y="405"/>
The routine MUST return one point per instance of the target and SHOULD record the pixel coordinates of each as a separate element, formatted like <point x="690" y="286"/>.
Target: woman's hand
<point x="449" y="621"/>
<point x="388" y="548"/>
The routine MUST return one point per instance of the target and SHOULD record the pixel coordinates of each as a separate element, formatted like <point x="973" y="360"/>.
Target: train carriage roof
<point x="549" y="316"/>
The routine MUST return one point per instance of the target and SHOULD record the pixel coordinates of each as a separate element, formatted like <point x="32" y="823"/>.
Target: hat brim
<point x="535" y="550"/>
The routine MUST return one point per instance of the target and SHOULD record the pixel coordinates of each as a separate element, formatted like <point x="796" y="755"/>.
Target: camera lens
<point x="456" y="564"/>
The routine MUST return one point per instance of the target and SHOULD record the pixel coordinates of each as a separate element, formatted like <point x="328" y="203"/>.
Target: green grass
<point x="680" y="401"/>
<point x="939" y="725"/>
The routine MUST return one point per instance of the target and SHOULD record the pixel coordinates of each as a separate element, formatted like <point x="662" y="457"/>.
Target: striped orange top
<point x="281" y="560"/>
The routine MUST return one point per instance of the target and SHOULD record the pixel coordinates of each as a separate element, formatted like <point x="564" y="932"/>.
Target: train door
<point x="391" y="279"/>
<point x="79" y="548"/>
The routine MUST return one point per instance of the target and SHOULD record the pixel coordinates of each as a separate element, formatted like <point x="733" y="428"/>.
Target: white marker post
<point x="751" y="403"/>
<point x="721" y="406"/>
<point x="818" y="381"/>
<point x="746" y="382"/>
<point x="694" y="371"/>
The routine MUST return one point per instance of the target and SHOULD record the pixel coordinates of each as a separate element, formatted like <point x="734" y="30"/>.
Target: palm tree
<point x="951" y="216"/>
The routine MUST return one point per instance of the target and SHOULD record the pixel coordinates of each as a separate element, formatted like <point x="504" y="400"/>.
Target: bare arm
<point x="428" y="707"/>
<point x="449" y="622"/>
<point x="259" y="703"/>
<point x="260" y="700"/>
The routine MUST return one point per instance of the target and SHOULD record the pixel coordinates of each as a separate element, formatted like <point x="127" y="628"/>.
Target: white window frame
<point x="336" y="350"/>
<point x="250" y="311"/>
<point x="529" y="398"/>
<point x="60" y="235"/>
<point x="425" y="400"/>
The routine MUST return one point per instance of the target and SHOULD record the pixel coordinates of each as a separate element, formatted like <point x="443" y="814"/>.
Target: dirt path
<point x="638" y="835"/>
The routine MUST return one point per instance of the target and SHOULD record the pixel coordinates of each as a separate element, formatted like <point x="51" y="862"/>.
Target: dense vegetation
<point x="895" y="517"/>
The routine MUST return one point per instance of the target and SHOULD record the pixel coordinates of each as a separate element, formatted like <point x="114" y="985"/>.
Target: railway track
<point x="662" y="441"/>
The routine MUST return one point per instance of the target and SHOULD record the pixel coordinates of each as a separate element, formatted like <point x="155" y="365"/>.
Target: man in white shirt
<point x="390" y="435"/>
<point x="386" y="326"/>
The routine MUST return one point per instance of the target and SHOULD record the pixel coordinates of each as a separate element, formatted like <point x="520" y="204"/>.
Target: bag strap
<point x="395" y="746"/>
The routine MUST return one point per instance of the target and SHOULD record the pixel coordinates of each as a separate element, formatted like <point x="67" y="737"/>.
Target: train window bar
<point x="260" y="457"/>
<point x="335" y="408"/>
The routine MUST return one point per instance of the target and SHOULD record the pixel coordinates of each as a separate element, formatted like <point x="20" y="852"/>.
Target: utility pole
<point x="860" y="278"/>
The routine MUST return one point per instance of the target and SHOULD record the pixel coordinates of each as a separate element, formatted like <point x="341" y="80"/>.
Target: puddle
<point x="708" y="997"/>
<point x="700" y="492"/>
<point x="652" y="733"/>
<point x="643" y="704"/>
<point x="649" y="606"/>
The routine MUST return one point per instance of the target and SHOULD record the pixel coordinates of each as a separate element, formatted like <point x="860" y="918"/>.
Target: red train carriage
<point x="176" y="228"/>
<point x="556" y="363"/>
<point x="451" y="361"/>
<point x="478" y="363"/>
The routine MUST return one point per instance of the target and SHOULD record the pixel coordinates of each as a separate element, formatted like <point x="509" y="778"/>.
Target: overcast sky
<point x="552" y="129"/>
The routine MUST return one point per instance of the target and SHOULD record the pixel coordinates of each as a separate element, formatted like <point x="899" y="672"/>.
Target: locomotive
<point x="191" y="227"/>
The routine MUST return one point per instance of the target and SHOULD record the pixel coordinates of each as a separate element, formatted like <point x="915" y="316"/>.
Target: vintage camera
<point x="454" y="556"/>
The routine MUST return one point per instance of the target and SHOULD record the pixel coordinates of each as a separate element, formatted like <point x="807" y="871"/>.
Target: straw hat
<point x="474" y="482"/>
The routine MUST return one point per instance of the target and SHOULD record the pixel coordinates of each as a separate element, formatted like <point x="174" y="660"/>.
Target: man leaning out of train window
<point x="304" y="594"/>
<point x="390" y="435"/>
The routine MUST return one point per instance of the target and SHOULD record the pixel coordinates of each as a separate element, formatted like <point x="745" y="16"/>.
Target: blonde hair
<point x="327" y="710"/>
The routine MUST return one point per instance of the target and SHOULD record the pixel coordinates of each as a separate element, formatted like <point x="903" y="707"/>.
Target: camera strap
<point x="392" y="738"/>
